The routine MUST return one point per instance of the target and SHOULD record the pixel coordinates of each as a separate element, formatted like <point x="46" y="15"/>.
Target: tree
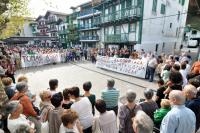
<point x="11" y="16"/>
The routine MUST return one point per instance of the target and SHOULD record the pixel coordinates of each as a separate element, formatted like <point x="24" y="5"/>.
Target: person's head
<point x="87" y="86"/>
<point x="24" y="129"/>
<point x="130" y="96"/>
<point x="165" y="103"/>
<point x="142" y="123"/>
<point x="186" y="62"/>
<point x="14" y="108"/>
<point x="22" y="87"/>
<point x="177" y="58"/>
<point x="2" y="71"/>
<point x="110" y="83"/>
<point x="148" y="94"/>
<point x="56" y="99"/>
<point x="53" y="84"/>
<point x="195" y="82"/>
<point x="175" y="77"/>
<point x="22" y="79"/>
<point x="74" y="92"/>
<point x="183" y="66"/>
<point x="69" y="118"/>
<point x="176" y="97"/>
<point x="161" y="61"/>
<point x="160" y="82"/>
<point x="167" y="67"/>
<point x="190" y="92"/>
<point x="45" y="96"/>
<point x="7" y="81"/>
<point x="66" y="94"/>
<point x="100" y="106"/>
<point x="176" y="67"/>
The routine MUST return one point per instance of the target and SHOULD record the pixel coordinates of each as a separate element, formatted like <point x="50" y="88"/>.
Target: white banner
<point x="43" y="59"/>
<point x="133" y="67"/>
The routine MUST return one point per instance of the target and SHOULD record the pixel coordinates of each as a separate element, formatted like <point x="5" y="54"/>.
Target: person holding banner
<point x="151" y="68"/>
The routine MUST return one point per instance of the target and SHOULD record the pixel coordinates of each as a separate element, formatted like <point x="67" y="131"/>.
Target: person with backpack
<point x="127" y="112"/>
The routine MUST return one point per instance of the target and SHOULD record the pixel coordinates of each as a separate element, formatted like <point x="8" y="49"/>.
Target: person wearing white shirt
<point x="184" y="73"/>
<point x="84" y="109"/>
<point x="15" y="117"/>
<point x="151" y="68"/>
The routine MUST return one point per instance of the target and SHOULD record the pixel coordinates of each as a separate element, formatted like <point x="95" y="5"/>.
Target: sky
<point x="39" y="7"/>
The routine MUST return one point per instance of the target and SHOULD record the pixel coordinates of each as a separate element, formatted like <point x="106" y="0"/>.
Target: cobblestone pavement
<point x="76" y="73"/>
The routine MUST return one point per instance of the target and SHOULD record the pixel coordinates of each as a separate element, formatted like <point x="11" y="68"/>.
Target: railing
<point x="92" y="38"/>
<point x="87" y="26"/>
<point x="52" y="29"/>
<point x="87" y="12"/>
<point x="51" y="21"/>
<point x="119" y="15"/>
<point x="41" y="26"/>
<point x="62" y="32"/>
<point x="116" y="38"/>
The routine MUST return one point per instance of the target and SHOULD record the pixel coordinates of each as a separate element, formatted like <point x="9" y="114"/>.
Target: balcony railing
<point x="87" y="26"/>
<point x="87" y="12"/>
<point x="116" y="38"/>
<point x="62" y="32"/>
<point x="119" y="15"/>
<point x="41" y="26"/>
<point x="52" y="29"/>
<point x="89" y="38"/>
<point x="49" y="21"/>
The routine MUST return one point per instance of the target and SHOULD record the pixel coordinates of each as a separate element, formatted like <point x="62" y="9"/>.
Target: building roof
<point x="55" y="13"/>
<point x="39" y="17"/>
<point x="85" y="4"/>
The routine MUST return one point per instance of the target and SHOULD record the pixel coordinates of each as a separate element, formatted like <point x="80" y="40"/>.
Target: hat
<point x="12" y="106"/>
<point x="2" y="71"/>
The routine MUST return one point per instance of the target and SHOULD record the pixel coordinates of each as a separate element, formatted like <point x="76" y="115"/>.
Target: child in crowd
<point x="160" y="91"/>
<point x="166" y="72"/>
<point x="53" y="84"/>
<point x="66" y="102"/>
<point x="160" y="114"/>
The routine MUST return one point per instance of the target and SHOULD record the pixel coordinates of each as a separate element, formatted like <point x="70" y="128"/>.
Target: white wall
<point x="26" y="30"/>
<point x="156" y="26"/>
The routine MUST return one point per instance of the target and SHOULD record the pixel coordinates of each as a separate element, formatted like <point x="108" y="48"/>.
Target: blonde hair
<point x="7" y="81"/>
<point x="44" y="95"/>
<point x="165" y="103"/>
<point x="22" y="78"/>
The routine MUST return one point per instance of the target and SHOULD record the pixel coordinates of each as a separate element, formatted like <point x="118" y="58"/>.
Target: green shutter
<point x="183" y="2"/>
<point x="154" y="7"/>
<point x="162" y="10"/>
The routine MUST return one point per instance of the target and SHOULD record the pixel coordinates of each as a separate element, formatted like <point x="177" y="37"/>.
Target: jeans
<point x="88" y="130"/>
<point x="150" y="73"/>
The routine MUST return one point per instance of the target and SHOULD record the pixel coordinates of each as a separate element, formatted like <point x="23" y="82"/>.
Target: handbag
<point x="45" y="127"/>
<point x="96" y="126"/>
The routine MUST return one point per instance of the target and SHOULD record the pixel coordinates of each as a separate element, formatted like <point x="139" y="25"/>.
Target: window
<point x="178" y="18"/>
<point x="162" y="10"/>
<point x="183" y="2"/>
<point x="170" y="25"/>
<point x="154" y="7"/>
<point x="194" y="32"/>
<point x="118" y="30"/>
<point x="132" y="27"/>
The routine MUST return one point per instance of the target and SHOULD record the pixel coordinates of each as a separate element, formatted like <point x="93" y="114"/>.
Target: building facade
<point x="53" y="19"/>
<point x="152" y="25"/>
<point x="89" y="33"/>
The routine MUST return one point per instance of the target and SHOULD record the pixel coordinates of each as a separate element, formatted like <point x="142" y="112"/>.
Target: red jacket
<point x="26" y="103"/>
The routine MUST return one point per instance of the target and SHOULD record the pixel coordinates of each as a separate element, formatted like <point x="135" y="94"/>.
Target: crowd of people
<point x="175" y="108"/>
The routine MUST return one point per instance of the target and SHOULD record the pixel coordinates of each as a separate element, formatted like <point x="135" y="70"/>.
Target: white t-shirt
<point x="14" y="124"/>
<point x="184" y="75"/>
<point x="84" y="110"/>
<point x="64" y="129"/>
<point x="153" y="62"/>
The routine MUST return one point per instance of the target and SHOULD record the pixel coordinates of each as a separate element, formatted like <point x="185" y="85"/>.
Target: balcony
<point x="133" y="12"/>
<point x="62" y="32"/>
<point x="52" y="29"/>
<point x="87" y="27"/>
<point x="89" y="38"/>
<point x="50" y="21"/>
<point x="88" y="13"/>
<point x="42" y="26"/>
<point x="116" y="38"/>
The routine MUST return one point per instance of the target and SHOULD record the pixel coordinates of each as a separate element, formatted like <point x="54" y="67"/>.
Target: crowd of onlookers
<point x="175" y="108"/>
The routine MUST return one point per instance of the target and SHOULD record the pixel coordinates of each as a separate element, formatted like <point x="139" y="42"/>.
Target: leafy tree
<point x="11" y="16"/>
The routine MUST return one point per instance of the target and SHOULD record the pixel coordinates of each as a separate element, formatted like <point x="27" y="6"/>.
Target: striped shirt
<point x="110" y="96"/>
